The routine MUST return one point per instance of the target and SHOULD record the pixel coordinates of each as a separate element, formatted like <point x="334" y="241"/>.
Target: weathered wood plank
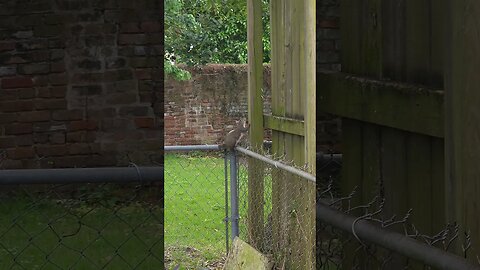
<point x="438" y="185"/>
<point x="394" y="178"/>
<point x="463" y="118"/>
<point x="417" y="42"/>
<point x="284" y="124"/>
<point x="255" y="117"/>
<point x="419" y="184"/>
<point x="279" y="181"/>
<point x="396" y="105"/>
<point x="393" y="49"/>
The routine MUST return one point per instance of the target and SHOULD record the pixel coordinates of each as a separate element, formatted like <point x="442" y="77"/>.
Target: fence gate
<point x="389" y="95"/>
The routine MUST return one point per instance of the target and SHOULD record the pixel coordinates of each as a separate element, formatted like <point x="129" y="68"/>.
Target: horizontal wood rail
<point x="284" y="124"/>
<point x="398" y="105"/>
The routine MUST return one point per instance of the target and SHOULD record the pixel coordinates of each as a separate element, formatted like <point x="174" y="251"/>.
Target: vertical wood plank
<point x="438" y="40"/>
<point x="438" y="185"/>
<point x="393" y="28"/>
<point x="418" y="31"/>
<point x="394" y="176"/>
<point x="255" y="117"/>
<point x="463" y="118"/>
<point x="419" y="182"/>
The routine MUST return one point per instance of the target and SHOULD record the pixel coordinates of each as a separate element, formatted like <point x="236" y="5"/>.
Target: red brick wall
<point x="203" y="109"/>
<point x="328" y="58"/>
<point x="80" y="83"/>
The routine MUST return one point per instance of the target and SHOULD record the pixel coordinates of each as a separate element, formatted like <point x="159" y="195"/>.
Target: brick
<point x="82" y="125"/>
<point x="7" y="71"/>
<point x="23" y="34"/>
<point x="154" y="39"/>
<point x="7" y="142"/>
<point x="63" y="115"/>
<point x="49" y="127"/>
<point x="328" y="23"/>
<point x="32" y="44"/>
<point x="145" y="122"/>
<point x="87" y="77"/>
<point x="129" y="27"/>
<point x="16" y="106"/>
<point x="40" y="137"/>
<point x="89" y="64"/>
<point x="115" y="63"/>
<point x="58" y="78"/>
<point x="7" y="46"/>
<point x="143" y="73"/>
<point x="81" y="136"/>
<point x="118" y="75"/>
<point x="57" y="54"/>
<point x="35" y="116"/>
<point x="56" y="19"/>
<point x="150" y="27"/>
<point x="28" y="20"/>
<point x="102" y="28"/>
<point x="121" y="87"/>
<point x="49" y="104"/>
<point x="144" y="62"/>
<point x="21" y="152"/>
<point x="51" y="150"/>
<point x="17" y="82"/>
<point x="58" y="91"/>
<point x="48" y="30"/>
<point x="24" y="140"/>
<point x="8" y="118"/>
<point x="39" y="56"/>
<point x="34" y="69"/>
<point x="83" y="148"/>
<point x="87" y="90"/>
<point x="26" y="93"/>
<point x="121" y="98"/>
<point x="57" y="138"/>
<point x="135" y="111"/>
<point x="18" y="128"/>
<point x="41" y="80"/>
<point x="57" y="67"/>
<point x="131" y="39"/>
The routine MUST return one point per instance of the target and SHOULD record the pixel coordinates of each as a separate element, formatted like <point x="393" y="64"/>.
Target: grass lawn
<point x="54" y="233"/>
<point x="194" y="210"/>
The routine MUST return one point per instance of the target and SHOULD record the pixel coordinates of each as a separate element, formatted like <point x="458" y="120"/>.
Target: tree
<point x="208" y="31"/>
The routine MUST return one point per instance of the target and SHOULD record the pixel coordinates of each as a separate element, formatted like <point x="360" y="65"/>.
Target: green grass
<point x="194" y="210"/>
<point x="47" y="234"/>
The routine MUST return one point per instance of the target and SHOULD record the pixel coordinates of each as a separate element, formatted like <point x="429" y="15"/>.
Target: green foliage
<point x="209" y="31"/>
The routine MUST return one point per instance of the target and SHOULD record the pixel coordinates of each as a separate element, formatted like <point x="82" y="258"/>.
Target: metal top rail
<point x="81" y="175"/>
<point x="392" y="240"/>
<point x="205" y="147"/>
<point x="278" y="164"/>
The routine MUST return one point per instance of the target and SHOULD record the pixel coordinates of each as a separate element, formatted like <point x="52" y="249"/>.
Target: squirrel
<point x="234" y="136"/>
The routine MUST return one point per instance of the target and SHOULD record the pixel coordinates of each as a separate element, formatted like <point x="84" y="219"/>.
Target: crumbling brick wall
<point x="203" y="109"/>
<point x="328" y="58"/>
<point x="80" y="83"/>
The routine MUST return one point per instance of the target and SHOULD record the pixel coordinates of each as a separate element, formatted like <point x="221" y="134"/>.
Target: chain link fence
<point x="81" y="225"/>
<point x="195" y="207"/>
<point x="277" y="210"/>
<point x="363" y="236"/>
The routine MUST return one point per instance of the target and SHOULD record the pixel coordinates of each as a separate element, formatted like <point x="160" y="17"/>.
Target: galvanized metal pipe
<point x="192" y="148"/>
<point x="277" y="164"/>
<point x="394" y="241"/>
<point x="234" y="194"/>
<point x="81" y="175"/>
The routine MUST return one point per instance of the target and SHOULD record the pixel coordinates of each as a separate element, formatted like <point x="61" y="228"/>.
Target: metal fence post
<point x="234" y="193"/>
<point x="225" y="159"/>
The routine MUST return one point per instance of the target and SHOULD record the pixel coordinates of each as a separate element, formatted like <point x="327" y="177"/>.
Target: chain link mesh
<point x="81" y="226"/>
<point x="338" y="249"/>
<point x="195" y="231"/>
<point x="277" y="213"/>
